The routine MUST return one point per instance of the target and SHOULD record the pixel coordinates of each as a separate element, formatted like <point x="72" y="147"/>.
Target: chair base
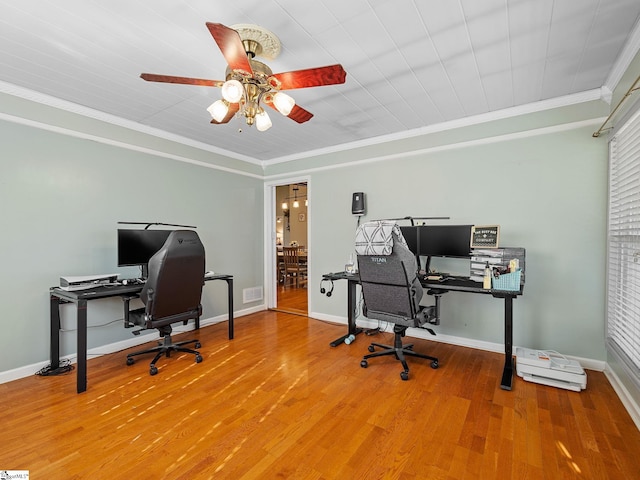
<point x="399" y="351"/>
<point x="165" y="347"/>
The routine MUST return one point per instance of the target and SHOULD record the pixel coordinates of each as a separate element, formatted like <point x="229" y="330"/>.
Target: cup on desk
<point x="349" y="268"/>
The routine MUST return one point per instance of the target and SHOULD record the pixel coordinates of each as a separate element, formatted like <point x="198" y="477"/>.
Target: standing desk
<point x="58" y="296"/>
<point x="455" y="284"/>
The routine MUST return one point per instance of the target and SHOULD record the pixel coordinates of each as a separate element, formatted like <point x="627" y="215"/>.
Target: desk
<point x="81" y="297"/>
<point x="451" y="285"/>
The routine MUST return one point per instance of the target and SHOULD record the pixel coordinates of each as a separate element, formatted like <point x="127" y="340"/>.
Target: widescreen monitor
<point x="444" y="240"/>
<point x="136" y="247"/>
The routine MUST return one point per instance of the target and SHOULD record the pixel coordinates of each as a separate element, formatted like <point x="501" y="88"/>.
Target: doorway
<point x="291" y="220"/>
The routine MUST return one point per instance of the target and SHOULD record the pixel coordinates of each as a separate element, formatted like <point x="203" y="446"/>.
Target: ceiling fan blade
<point x="233" y="109"/>
<point x="152" y="77"/>
<point x="312" y="77"/>
<point x="297" y="114"/>
<point x="231" y="46"/>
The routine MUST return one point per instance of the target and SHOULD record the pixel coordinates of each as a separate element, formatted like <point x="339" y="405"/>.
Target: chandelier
<point x="245" y="93"/>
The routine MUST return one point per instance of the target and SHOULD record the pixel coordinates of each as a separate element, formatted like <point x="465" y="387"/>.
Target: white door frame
<point x="270" y="270"/>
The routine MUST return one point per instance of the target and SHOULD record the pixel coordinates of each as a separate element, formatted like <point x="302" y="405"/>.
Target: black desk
<point x="450" y="285"/>
<point x="81" y="297"/>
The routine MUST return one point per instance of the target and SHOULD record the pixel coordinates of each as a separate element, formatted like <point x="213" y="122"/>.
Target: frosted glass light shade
<point x="263" y="122"/>
<point x="232" y="91"/>
<point x="284" y="103"/>
<point x="218" y="110"/>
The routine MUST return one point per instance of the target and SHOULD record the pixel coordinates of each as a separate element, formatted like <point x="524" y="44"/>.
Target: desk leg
<point x="351" y="314"/>
<point x="82" y="346"/>
<point x="230" y="303"/>
<point x="507" y="373"/>
<point x="54" y="317"/>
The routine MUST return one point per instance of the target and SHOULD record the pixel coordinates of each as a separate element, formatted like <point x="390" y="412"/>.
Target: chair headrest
<point x="377" y="237"/>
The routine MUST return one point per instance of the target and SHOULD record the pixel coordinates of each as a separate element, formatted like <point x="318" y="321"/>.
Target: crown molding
<point x="116" y="143"/>
<point x="626" y="56"/>
<point x="31" y="95"/>
<point x="71" y="107"/>
<point x="441" y="148"/>
<point x="564" y="101"/>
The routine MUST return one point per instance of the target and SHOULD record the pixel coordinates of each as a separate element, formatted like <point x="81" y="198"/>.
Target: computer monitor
<point x="410" y="234"/>
<point x="444" y="240"/>
<point x="136" y="247"/>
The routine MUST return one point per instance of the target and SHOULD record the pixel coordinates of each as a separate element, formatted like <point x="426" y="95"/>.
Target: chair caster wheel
<point x="130" y="361"/>
<point x="364" y="364"/>
<point x="198" y="358"/>
<point x="404" y="375"/>
<point x="198" y="345"/>
<point x="434" y="364"/>
<point x="370" y="348"/>
<point x="153" y="370"/>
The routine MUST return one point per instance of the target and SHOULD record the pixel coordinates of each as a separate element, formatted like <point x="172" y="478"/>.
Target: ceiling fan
<point x="249" y="84"/>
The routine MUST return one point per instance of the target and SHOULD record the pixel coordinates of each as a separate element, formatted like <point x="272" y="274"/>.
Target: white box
<point x="550" y="368"/>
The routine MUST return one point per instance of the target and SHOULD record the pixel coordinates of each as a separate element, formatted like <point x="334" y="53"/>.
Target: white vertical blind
<point x="623" y="285"/>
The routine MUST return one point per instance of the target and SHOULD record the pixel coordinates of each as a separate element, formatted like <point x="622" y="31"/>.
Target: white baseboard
<point x="623" y="394"/>
<point x="587" y="363"/>
<point x="28" y="370"/>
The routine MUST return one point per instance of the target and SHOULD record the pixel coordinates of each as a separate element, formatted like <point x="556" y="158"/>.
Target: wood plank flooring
<point x="278" y="402"/>
<point x="292" y="299"/>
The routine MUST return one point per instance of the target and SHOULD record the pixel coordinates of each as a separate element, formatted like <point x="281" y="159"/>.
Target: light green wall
<point x="61" y="198"/>
<point x="548" y="194"/>
<point x="63" y="194"/>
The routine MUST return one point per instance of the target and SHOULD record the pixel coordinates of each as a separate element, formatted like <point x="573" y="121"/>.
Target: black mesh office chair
<point x="391" y="289"/>
<point x="171" y="294"/>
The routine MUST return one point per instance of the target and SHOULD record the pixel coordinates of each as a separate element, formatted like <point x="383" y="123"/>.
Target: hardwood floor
<point x="278" y="402"/>
<point x="292" y="299"/>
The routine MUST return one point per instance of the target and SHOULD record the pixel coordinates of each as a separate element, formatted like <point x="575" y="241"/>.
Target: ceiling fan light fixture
<point x="219" y="110"/>
<point x="232" y="91"/>
<point x="263" y="122"/>
<point x="284" y="103"/>
<point x="251" y="84"/>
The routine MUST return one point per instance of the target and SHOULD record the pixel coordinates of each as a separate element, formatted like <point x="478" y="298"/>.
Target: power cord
<point x="110" y="322"/>
<point x="64" y="367"/>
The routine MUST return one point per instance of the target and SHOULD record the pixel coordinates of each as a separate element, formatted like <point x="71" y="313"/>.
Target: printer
<point x="87" y="281"/>
<point x="548" y="367"/>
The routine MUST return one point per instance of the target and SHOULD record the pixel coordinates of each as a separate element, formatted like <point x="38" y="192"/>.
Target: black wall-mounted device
<point x="357" y="204"/>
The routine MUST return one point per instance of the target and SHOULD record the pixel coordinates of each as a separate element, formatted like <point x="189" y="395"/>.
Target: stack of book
<point x="495" y="257"/>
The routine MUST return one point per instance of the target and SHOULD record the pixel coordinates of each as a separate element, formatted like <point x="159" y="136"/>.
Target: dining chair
<point x="294" y="268"/>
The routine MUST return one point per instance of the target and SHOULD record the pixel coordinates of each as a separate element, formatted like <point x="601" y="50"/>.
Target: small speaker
<point x="357" y="204"/>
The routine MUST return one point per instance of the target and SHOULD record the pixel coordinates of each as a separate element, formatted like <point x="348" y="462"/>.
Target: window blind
<point x="623" y="282"/>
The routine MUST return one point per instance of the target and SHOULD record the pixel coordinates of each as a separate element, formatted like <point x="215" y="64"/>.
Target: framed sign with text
<point x="485" y="236"/>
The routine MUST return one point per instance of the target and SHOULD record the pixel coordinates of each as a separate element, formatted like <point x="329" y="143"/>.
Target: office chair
<point x="171" y="294"/>
<point x="391" y="289"/>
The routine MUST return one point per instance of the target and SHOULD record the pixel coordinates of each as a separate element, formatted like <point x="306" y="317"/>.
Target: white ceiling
<point x="410" y="64"/>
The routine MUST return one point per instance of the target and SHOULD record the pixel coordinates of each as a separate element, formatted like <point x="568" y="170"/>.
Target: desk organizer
<point x="507" y="281"/>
